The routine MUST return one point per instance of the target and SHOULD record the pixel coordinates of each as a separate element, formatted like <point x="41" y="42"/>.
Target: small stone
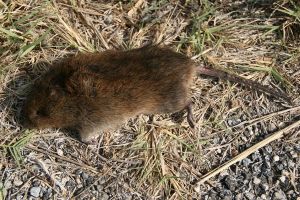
<point x="84" y="176"/>
<point x="230" y="183"/>
<point x="294" y="154"/>
<point x="265" y="187"/>
<point x="256" y="156"/>
<point x="279" y="195"/>
<point x="216" y="140"/>
<point x="250" y="195"/>
<point x="239" y="196"/>
<point x="101" y="181"/>
<point x="35" y="191"/>
<point x="78" y="172"/>
<point x="47" y="194"/>
<point x="291" y="192"/>
<point x="291" y="164"/>
<point x="256" y="181"/>
<point x="60" y="152"/>
<point x="244" y="139"/>
<point x="78" y="181"/>
<point x="18" y="182"/>
<point x="223" y="174"/>
<point x="269" y="149"/>
<point x="276" y="158"/>
<point x="263" y="196"/>
<point x="272" y="127"/>
<point x="230" y="122"/>
<point x="246" y="162"/>
<point x="282" y="179"/>
<point x="104" y="196"/>
<point x="256" y="169"/>
<point x="19" y="197"/>
<point x="280" y="167"/>
<point x="99" y="188"/>
<point x="8" y="184"/>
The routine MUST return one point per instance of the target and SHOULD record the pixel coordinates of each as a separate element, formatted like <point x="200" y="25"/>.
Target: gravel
<point x="35" y="191"/>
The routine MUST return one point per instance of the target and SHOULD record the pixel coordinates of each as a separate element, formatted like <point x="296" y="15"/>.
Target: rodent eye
<point x="41" y="112"/>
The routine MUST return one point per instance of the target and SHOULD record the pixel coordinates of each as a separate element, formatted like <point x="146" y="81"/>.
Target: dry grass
<point x="160" y="159"/>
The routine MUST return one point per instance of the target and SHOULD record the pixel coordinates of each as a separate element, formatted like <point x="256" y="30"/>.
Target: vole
<point x="99" y="91"/>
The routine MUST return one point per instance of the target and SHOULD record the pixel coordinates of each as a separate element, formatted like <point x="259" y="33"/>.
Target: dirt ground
<point x="163" y="159"/>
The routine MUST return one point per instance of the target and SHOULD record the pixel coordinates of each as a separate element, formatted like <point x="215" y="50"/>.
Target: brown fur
<point x="92" y="92"/>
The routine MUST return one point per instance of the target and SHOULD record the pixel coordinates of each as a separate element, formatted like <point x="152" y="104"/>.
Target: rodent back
<point x="146" y="80"/>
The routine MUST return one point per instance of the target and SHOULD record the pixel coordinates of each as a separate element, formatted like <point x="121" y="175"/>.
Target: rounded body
<point x="98" y="91"/>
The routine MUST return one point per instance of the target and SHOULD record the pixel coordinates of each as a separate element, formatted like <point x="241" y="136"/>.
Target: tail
<point x="246" y="82"/>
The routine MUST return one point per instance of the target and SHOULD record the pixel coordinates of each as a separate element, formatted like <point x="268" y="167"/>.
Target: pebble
<point x="250" y="195"/>
<point x="256" y="156"/>
<point x="246" y="162"/>
<point x="256" y="169"/>
<point x="265" y="187"/>
<point x="77" y="179"/>
<point x="230" y="122"/>
<point x="256" y="181"/>
<point x="99" y="187"/>
<point x="272" y="127"/>
<point x="245" y="139"/>
<point x="19" y="197"/>
<point x="263" y="196"/>
<point x="223" y="174"/>
<point x="291" y="164"/>
<point x="282" y="179"/>
<point x="216" y="140"/>
<point x="239" y="196"/>
<point x="294" y="154"/>
<point x="276" y="158"/>
<point x="279" y="195"/>
<point x="104" y="196"/>
<point x="268" y="149"/>
<point x="280" y="167"/>
<point x="60" y="152"/>
<point x="230" y="183"/>
<point x="84" y="176"/>
<point x="35" y="191"/>
<point x="8" y="184"/>
<point x="18" y="182"/>
<point x="48" y="194"/>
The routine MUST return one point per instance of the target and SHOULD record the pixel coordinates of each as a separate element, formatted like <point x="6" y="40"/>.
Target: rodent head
<point x="48" y="105"/>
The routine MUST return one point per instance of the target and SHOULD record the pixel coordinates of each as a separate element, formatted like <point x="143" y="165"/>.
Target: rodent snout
<point x="26" y="123"/>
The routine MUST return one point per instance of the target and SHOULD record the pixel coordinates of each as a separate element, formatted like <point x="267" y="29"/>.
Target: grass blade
<point x="26" y="49"/>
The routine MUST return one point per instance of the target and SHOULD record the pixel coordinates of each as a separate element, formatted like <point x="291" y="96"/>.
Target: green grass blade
<point x="10" y="33"/>
<point x="26" y="49"/>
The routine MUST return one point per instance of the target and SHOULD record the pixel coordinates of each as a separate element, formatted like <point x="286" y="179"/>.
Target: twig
<point x="92" y="169"/>
<point x="251" y="122"/>
<point x="266" y="117"/>
<point x="246" y="153"/>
